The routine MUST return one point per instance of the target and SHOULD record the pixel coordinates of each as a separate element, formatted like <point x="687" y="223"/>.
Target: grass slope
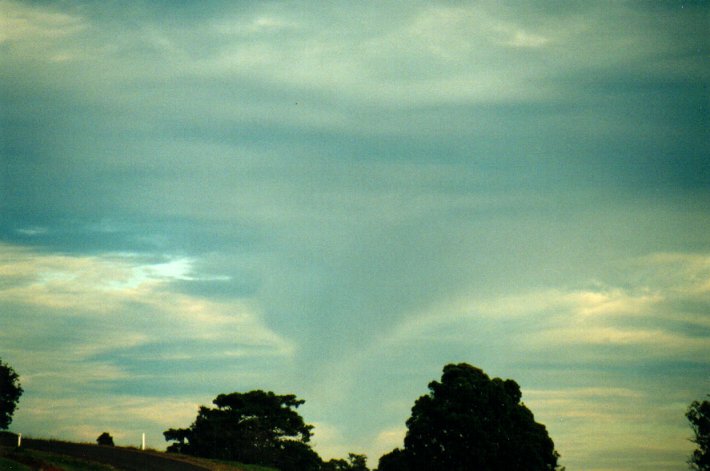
<point x="11" y="465"/>
<point x="68" y="456"/>
<point x="23" y="459"/>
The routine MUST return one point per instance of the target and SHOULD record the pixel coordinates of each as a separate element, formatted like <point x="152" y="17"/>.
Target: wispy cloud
<point x="85" y="417"/>
<point x="127" y="327"/>
<point x="23" y="22"/>
<point x="599" y="335"/>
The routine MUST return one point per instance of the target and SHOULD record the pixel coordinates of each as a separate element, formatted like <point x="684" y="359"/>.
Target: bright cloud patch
<point x="112" y="322"/>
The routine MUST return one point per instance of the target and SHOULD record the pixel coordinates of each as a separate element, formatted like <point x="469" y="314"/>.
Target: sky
<point x="336" y="199"/>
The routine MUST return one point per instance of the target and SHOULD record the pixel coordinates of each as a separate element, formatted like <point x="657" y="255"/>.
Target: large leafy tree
<point x="469" y="421"/>
<point x="10" y="392"/>
<point x="254" y="427"/>
<point x="698" y="415"/>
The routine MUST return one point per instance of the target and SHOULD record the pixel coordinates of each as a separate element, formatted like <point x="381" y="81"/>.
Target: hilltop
<point x="55" y="455"/>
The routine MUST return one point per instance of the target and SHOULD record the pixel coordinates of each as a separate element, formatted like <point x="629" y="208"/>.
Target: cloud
<point x="22" y="22"/>
<point x="615" y="420"/>
<point x="389" y="439"/>
<point x="102" y="324"/>
<point x="329" y="441"/>
<point x="32" y="231"/>
<point x="84" y="418"/>
<point x="600" y="336"/>
<point x="37" y="32"/>
<point x="650" y="282"/>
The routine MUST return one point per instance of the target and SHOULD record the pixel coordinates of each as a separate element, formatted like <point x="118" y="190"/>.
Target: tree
<point x="255" y="427"/>
<point x="296" y="455"/>
<point x="395" y="460"/>
<point x="180" y="437"/>
<point x="355" y="462"/>
<point x="335" y="464"/>
<point x="105" y="439"/>
<point x="698" y="415"/>
<point x="10" y="392"/>
<point x="471" y="422"/>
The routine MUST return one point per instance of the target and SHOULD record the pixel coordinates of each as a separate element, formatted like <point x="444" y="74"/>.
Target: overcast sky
<point x="335" y="199"/>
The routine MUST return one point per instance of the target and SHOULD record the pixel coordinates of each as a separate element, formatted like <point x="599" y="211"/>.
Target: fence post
<point x="19" y="440"/>
<point x="143" y="442"/>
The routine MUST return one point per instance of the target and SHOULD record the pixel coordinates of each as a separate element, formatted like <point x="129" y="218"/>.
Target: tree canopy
<point x="105" y="439"/>
<point x="471" y="422"/>
<point x="698" y="415"/>
<point x="10" y="392"/>
<point x="355" y="462"/>
<point x="254" y="427"/>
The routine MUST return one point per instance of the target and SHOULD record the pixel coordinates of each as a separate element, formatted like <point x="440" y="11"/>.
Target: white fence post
<point x="143" y="442"/>
<point x="19" y="440"/>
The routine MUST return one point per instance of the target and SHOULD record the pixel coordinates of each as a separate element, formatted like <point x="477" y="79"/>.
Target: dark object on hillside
<point x="10" y="392"/>
<point x="256" y="427"/>
<point x="698" y="415"/>
<point x="471" y="422"/>
<point x="105" y="439"/>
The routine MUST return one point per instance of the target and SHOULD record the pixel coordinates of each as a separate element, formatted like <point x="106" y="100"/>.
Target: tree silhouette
<point x="395" y="460"/>
<point x="10" y="392"/>
<point x="355" y="462"/>
<point x="471" y="422"/>
<point x="105" y="439"/>
<point x="254" y="427"/>
<point x="698" y="415"/>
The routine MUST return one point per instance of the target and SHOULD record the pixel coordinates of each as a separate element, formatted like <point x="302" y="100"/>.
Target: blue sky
<point x="335" y="200"/>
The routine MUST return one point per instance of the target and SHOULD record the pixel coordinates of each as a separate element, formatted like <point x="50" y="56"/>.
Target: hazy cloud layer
<point x="336" y="200"/>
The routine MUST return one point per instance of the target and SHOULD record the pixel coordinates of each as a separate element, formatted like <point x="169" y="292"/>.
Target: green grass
<point x="255" y="467"/>
<point x="9" y="465"/>
<point x="245" y="467"/>
<point x="219" y="465"/>
<point x="67" y="463"/>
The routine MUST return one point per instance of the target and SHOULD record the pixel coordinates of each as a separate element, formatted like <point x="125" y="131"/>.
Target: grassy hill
<point x="53" y="455"/>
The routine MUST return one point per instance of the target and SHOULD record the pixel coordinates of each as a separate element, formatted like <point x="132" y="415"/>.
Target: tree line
<point x="467" y="421"/>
